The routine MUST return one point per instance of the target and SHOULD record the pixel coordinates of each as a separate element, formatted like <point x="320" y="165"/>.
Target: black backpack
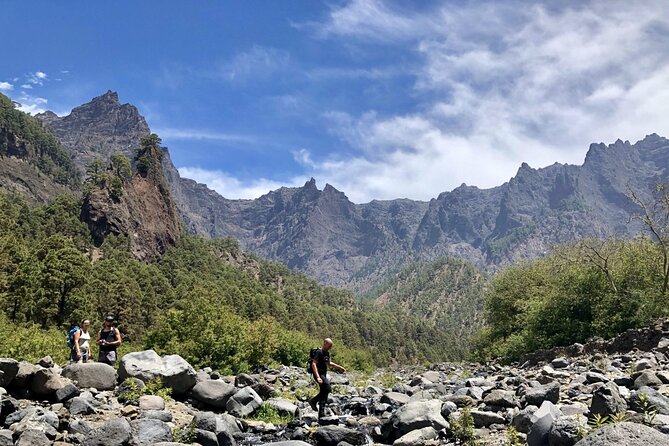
<point x="312" y="356"/>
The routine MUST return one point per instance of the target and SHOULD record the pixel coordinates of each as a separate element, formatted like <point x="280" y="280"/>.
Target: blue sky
<point x="381" y="99"/>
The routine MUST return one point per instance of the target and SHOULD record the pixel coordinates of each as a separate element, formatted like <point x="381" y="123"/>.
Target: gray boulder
<point x="501" y="398"/>
<point x="91" y="374"/>
<point x="244" y="379"/>
<point x="8" y="370"/>
<point x="485" y="419"/>
<point x="80" y="406"/>
<point x="6" y="437"/>
<point x="417" y="437"/>
<point x="652" y="398"/>
<point x="566" y="430"/>
<point x="243" y="403"/>
<point x="542" y="423"/>
<point x="334" y="435"/>
<point x="535" y="396"/>
<point x="148" y="431"/>
<point x="523" y="420"/>
<point x="283" y="406"/>
<point x="67" y="392"/>
<point x="151" y="402"/>
<point x="415" y="415"/>
<point x="25" y="374"/>
<point x="606" y="400"/>
<point x="647" y="379"/>
<point x="213" y="393"/>
<point x="147" y="365"/>
<point x="395" y="398"/>
<point x="46" y="382"/>
<point x="33" y="437"/>
<point x="116" y="432"/>
<point x="627" y="434"/>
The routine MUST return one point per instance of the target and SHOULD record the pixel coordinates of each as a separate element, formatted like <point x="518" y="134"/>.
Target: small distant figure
<point x="319" y="369"/>
<point x="109" y="339"/>
<point x="81" y="342"/>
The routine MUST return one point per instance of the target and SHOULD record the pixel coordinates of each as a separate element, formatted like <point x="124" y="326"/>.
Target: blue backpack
<point x="70" y="336"/>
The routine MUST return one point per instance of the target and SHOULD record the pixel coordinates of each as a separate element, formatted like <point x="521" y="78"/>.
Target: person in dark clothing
<point x="319" y="369"/>
<point x="109" y="339"/>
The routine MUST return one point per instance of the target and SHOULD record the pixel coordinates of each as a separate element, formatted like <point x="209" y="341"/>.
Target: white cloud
<point x="32" y="104"/>
<point x="6" y="86"/>
<point x="27" y="87"/>
<point x="196" y="134"/>
<point x="505" y="84"/>
<point x="231" y="187"/>
<point x="257" y="62"/>
<point x="36" y="78"/>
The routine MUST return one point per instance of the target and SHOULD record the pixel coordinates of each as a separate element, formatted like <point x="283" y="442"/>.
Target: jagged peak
<point x="109" y="96"/>
<point x="311" y="184"/>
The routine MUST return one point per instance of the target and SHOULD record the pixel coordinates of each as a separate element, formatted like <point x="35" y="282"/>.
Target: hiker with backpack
<point x="109" y="339"/>
<point x="78" y="340"/>
<point x="319" y="360"/>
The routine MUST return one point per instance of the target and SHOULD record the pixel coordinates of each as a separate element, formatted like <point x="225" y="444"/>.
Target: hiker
<point x="109" y="339"/>
<point x="319" y="369"/>
<point x="80" y="342"/>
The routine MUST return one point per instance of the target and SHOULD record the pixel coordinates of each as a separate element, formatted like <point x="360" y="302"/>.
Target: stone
<point x="205" y="438"/>
<point x="213" y="393"/>
<point x="417" y="437"/>
<point x="79" y="427"/>
<point x="33" y="437"/>
<point x="34" y="418"/>
<point x="46" y="382"/>
<point x="645" y="364"/>
<point x="647" y="379"/>
<point x="333" y="435"/>
<point x="523" y="420"/>
<point x="6" y="438"/>
<point x="535" y="396"/>
<point x="627" y="434"/>
<point x="560" y="363"/>
<point x="149" y="431"/>
<point x="415" y="415"/>
<point x="663" y="345"/>
<point x="595" y="377"/>
<point x="174" y="371"/>
<point x="205" y="421"/>
<point x="606" y="400"/>
<point x="263" y="390"/>
<point x="244" y="379"/>
<point x="8" y="370"/>
<point x="227" y="423"/>
<point x="161" y="415"/>
<point x="80" y="406"/>
<point x="287" y="443"/>
<point x="91" y="375"/>
<point x="501" y="398"/>
<point x="67" y="392"/>
<point x="23" y="378"/>
<point x="395" y="398"/>
<point x="243" y="403"/>
<point x="566" y="430"/>
<point x="283" y="406"/>
<point x="46" y="362"/>
<point x="151" y="402"/>
<point x="542" y="423"/>
<point x="116" y="432"/>
<point x="447" y="408"/>
<point x="653" y="398"/>
<point x="485" y="419"/>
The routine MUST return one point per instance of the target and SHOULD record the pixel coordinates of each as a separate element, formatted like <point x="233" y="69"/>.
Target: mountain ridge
<point x="340" y="243"/>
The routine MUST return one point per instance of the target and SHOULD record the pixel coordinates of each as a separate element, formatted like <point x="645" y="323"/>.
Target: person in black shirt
<point x="319" y="369"/>
<point x="109" y="339"/>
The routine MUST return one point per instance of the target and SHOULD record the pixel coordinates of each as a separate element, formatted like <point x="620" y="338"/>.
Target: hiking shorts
<point x="107" y="357"/>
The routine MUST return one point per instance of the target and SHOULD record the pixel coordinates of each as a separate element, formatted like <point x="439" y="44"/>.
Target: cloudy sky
<point x="381" y="99"/>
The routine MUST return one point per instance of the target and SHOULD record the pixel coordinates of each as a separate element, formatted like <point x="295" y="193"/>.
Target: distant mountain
<point x="323" y="234"/>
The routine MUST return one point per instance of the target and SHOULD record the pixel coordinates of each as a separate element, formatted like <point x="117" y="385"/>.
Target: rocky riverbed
<point x="587" y="394"/>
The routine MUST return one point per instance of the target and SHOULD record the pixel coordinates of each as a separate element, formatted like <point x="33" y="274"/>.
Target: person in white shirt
<point x="81" y="350"/>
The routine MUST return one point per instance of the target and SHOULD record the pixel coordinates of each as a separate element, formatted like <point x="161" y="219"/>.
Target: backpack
<point x="70" y="336"/>
<point x="312" y="356"/>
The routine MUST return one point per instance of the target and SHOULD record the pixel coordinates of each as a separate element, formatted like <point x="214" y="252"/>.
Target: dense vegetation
<point x="204" y="299"/>
<point x="447" y="293"/>
<point x="24" y="136"/>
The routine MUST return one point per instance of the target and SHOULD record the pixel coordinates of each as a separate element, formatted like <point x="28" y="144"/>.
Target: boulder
<point x="151" y="402"/>
<point x="116" y="432"/>
<point x="80" y="406"/>
<point x="535" y="396"/>
<point x="566" y="431"/>
<point x="149" y="431"/>
<point x="6" y="437"/>
<point x="147" y="365"/>
<point x="542" y="423"/>
<point x="627" y="434"/>
<point x="244" y="379"/>
<point x="162" y="415"/>
<point x="560" y="363"/>
<point x="523" y="420"/>
<point x="33" y="437"/>
<point x="606" y="400"/>
<point x="415" y="415"/>
<point x="652" y="398"/>
<point x="243" y="403"/>
<point x="395" y="398"/>
<point x="213" y="393"/>
<point x="8" y="370"/>
<point x="501" y="398"/>
<point x="67" y="392"/>
<point x="46" y="362"/>
<point x="334" y="435"/>
<point x="46" y="382"/>
<point x="24" y="377"/>
<point x="35" y="418"/>
<point x="283" y="406"/>
<point x="485" y="419"/>
<point x="647" y="379"/>
<point x="91" y="375"/>
<point x="417" y="437"/>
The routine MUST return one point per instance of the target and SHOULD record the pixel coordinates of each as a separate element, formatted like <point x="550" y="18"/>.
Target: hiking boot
<point x="312" y="403"/>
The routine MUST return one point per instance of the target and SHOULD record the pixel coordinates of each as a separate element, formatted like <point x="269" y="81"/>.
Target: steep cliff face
<point x="356" y="245"/>
<point x="144" y="212"/>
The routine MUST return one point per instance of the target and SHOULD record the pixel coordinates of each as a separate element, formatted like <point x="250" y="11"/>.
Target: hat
<point x="109" y="318"/>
